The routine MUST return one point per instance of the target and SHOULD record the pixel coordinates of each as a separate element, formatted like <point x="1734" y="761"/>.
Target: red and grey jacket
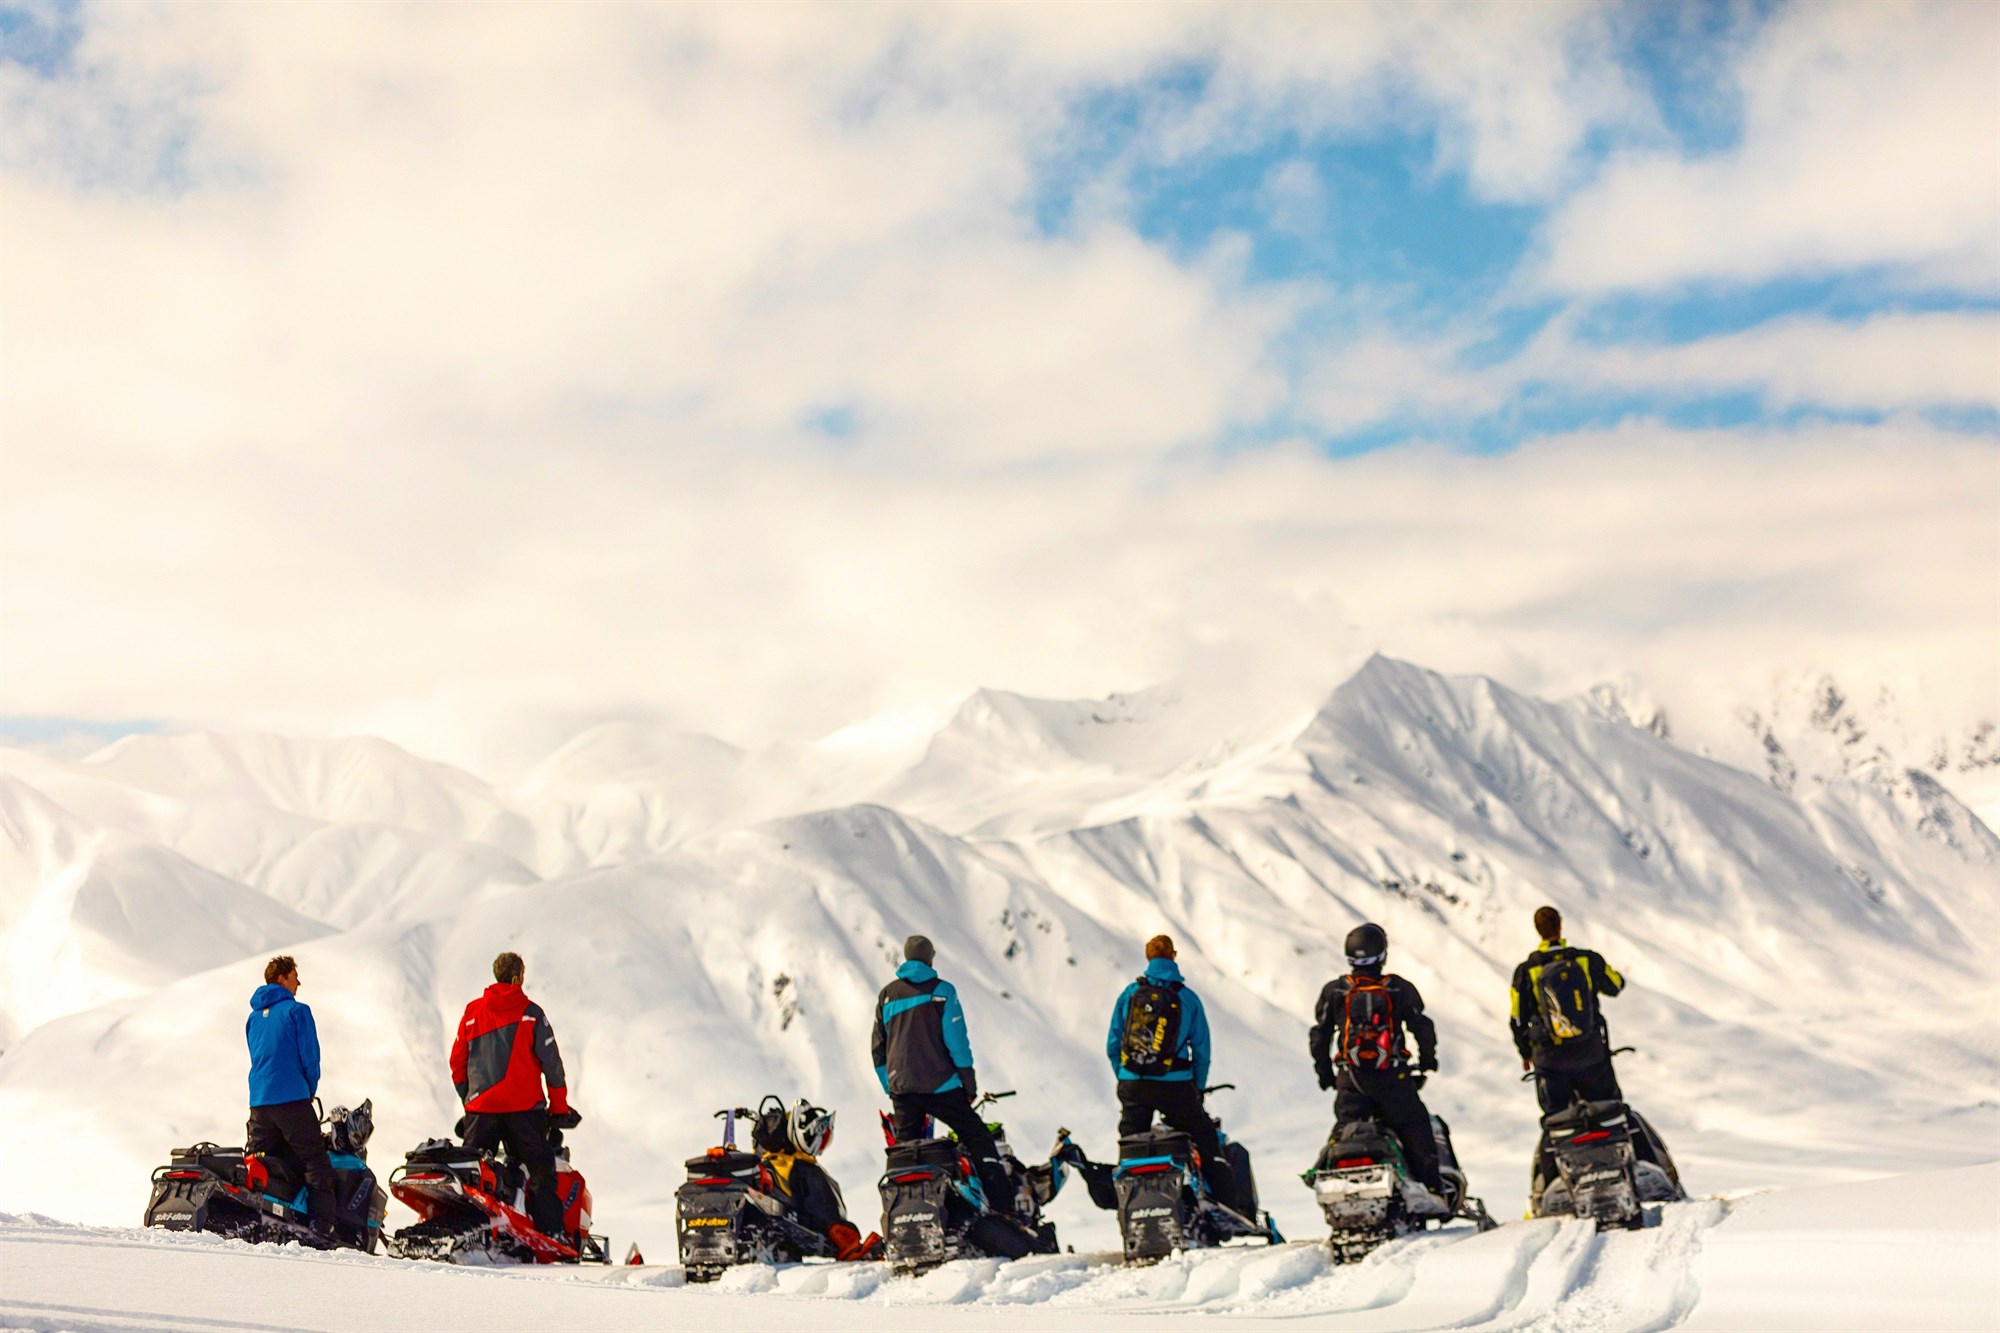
<point x="505" y="1048"/>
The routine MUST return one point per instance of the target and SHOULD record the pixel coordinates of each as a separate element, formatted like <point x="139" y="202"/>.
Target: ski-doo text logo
<point x="1599" y="1177"/>
<point x="1138" y="1213"/>
<point x="708" y="1221"/>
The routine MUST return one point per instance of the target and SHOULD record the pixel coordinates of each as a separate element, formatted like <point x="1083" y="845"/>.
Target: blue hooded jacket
<point x="1193" y="1042"/>
<point x="919" y="1040"/>
<point x="284" y="1047"/>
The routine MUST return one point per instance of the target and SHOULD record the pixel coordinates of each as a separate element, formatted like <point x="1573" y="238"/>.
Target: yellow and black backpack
<point x="1149" y="1047"/>
<point x="1567" y="999"/>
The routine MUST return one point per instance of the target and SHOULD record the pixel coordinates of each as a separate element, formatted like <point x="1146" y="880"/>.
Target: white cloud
<point x="1887" y="362"/>
<point x="1870" y="137"/>
<point x="454" y="384"/>
<point x="1945" y="359"/>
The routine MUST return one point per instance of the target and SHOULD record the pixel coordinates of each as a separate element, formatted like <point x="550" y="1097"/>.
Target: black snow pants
<point x="1556" y="1088"/>
<point x="1179" y="1104"/>
<point x="1391" y="1097"/>
<point x="290" y="1132"/>
<point x="1594" y="1083"/>
<point x="953" y="1109"/>
<point x="526" y="1134"/>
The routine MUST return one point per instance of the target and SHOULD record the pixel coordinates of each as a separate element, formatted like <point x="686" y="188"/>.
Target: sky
<point x="472" y="374"/>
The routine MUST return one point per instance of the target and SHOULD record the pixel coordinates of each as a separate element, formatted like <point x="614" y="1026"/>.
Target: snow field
<point x="1906" y="1253"/>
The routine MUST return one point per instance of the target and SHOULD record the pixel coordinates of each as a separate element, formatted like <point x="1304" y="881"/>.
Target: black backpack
<point x="1567" y="1000"/>
<point x="1368" y="1026"/>
<point x="1149" y="1047"/>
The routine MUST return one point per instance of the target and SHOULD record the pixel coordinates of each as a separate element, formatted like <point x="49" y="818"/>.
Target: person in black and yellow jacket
<point x="1558" y="1025"/>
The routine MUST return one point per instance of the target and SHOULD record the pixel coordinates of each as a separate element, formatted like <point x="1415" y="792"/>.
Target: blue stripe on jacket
<point x="1193" y="1042"/>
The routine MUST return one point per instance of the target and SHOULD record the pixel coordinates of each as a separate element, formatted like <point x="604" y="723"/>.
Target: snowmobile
<point x="732" y="1209"/>
<point x="471" y="1206"/>
<point x="935" y="1209"/>
<point x="259" y="1197"/>
<point x="1601" y="1160"/>
<point x="1365" y="1189"/>
<point x="1164" y="1204"/>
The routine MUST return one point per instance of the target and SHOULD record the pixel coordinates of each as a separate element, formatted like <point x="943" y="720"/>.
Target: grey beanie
<point x="919" y="948"/>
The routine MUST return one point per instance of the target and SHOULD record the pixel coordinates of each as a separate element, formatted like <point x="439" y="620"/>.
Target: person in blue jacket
<point x="924" y="1062"/>
<point x="1158" y="1046"/>
<point x="284" y="1075"/>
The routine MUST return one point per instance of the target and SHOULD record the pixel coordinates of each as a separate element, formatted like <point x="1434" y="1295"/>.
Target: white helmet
<point x="809" y="1128"/>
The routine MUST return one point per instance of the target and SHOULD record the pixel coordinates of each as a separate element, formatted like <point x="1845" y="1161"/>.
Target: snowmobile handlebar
<point x="1217" y="1087"/>
<point x="1616" y="1050"/>
<point x="987" y="1097"/>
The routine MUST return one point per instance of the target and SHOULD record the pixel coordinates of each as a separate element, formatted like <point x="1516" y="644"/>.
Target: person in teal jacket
<point x="923" y="1059"/>
<point x="1158" y="1047"/>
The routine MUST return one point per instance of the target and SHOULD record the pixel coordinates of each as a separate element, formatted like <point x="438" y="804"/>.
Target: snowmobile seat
<point x="443" y="1153"/>
<point x="1160" y="1142"/>
<point x="924" y="1152"/>
<point x="732" y="1165"/>
<point x="1361" y="1138"/>
<point x="283" y="1176"/>
<point x="1583" y="1116"/>
<point x="224" y="1162"/>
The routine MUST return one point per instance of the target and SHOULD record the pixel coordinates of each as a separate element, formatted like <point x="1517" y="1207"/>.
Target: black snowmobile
<point x="1601" y="1160"/>
<point x="472" y="1206"/>
<point x="734" y="1210"/>
<point x="1164" y="1204"/>
<point x="259" y="1197"/>
<point x="1365" y="1189"/>
<point x="935" y="1209"/>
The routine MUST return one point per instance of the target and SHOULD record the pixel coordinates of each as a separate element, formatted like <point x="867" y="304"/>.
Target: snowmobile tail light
<point x="1355" y="1161"/>
<point x="1592" y="1137"/>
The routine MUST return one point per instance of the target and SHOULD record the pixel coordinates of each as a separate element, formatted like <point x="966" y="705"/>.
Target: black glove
<point x="1428" y="1064"/>
<point x="569" y="1119"/>
<point x="458" y="1130"/>
<point x="1325" y="1073"/>
<point x="971" y="1082"/>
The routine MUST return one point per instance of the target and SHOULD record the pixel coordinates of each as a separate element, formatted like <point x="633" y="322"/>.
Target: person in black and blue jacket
<point x="923" y="1060"/>
<point x="1160" y="1054"/>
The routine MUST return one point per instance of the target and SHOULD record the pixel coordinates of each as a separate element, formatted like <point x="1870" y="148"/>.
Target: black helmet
<point x="349" y="1131"/>
<point x="768" y="1131"/>
<point x="1367" y="944"/>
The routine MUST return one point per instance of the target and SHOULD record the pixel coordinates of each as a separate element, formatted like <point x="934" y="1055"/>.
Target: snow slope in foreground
<point x="1913" y="1252"/>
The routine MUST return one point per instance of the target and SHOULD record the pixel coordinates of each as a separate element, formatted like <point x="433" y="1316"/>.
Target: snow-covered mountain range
<point x="1811" y="950"/>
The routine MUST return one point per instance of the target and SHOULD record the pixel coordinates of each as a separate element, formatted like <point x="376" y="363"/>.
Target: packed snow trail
<point x="1913" y="1252"/>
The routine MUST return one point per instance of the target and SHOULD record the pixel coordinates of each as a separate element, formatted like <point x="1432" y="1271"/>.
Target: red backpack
<point x="1368" y="1026"/>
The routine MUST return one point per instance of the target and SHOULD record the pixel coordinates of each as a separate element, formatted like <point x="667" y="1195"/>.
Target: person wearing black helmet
<point x="1358" y="1050"/>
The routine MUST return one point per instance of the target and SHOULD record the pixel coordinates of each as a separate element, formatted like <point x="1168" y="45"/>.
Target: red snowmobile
<point x="472" y="1207"/>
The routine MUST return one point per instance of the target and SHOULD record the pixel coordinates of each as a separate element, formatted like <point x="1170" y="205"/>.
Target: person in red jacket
<point x="504" y="1052"/>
